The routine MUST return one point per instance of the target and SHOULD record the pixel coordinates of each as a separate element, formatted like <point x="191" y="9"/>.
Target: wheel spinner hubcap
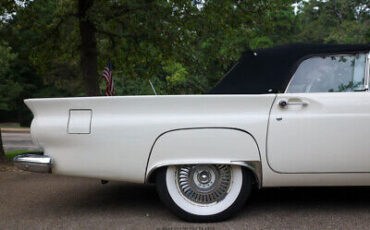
<point x="204" y="184"/>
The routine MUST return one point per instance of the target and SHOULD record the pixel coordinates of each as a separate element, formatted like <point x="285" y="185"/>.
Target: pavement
<point x="17" y="139"/>
<point x="45" y="201"/>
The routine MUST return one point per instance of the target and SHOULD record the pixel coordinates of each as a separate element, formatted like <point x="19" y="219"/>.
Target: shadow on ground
<point x="58" y="202"/>
<point x="123" y="194"/>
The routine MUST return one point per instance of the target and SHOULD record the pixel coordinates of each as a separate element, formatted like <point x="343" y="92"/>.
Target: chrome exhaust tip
<point x="33" y="162"/>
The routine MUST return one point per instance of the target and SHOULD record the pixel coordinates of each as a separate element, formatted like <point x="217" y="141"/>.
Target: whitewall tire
<point x="204" y="193"/>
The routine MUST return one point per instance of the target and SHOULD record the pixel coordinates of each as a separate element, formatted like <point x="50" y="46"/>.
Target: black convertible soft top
<point x="269" y="70"/>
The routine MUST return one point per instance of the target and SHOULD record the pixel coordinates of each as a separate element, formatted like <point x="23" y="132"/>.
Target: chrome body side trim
<point x="33" y="163"/>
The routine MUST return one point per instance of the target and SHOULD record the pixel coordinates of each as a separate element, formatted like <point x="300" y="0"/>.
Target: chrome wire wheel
<point x="204" y="184"/>
<point x="203" y="192"/>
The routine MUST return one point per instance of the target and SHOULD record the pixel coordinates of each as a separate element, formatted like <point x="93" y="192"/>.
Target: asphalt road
<point x="17" y="141"/>
<point x="43" y="201"/>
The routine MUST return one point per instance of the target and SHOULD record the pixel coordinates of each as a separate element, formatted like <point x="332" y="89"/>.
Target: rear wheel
<point x="204" y="193"/>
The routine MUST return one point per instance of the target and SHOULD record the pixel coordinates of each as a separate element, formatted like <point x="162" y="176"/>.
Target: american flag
<point x="108" y="76"/>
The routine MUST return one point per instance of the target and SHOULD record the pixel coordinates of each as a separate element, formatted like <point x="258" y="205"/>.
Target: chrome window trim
<point x="367" y="70"/>
<point x="291" y="78"/>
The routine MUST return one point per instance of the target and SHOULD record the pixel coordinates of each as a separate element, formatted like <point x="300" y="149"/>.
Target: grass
<point x="10" y="155"/>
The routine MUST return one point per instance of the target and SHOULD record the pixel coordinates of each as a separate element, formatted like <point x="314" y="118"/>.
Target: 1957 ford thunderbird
<point x="295" y="115"/>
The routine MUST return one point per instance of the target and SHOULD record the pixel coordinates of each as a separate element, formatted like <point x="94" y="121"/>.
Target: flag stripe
<point x="108" y="76"/>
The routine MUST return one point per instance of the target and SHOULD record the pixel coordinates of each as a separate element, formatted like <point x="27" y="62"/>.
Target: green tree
<point x="222" y="30"/>
<point x="5" y="58"/>
<point x="335" y="21"/>
<point x="136" y="34"/>
<point x="6" y="7"/>
<point x="142" y="38"/>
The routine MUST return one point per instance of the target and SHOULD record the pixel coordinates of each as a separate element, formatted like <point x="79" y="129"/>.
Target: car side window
<point x="335" y="73"/>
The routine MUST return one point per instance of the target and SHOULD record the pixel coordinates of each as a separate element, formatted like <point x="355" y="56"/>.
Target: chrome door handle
<point x="284" y="103"/>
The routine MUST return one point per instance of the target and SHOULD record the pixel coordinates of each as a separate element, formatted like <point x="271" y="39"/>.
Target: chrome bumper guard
<point x="33" y="163"/>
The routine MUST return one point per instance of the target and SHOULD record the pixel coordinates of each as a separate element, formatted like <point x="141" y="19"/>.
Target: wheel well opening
<point x="152" y="177"/>
<point x="255" y="181"/>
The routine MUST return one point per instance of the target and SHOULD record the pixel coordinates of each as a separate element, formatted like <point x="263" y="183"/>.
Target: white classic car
<point x="296" y="115"/>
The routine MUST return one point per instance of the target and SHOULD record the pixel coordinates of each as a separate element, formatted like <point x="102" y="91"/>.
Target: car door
<point x="321" y="124"/>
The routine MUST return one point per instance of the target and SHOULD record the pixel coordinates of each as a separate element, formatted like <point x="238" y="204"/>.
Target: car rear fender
<point x="230" y="146"/>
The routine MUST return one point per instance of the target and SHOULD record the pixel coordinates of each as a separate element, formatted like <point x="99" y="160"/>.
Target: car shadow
<point x="134" y="197"/>
<point x="304" y="195"/>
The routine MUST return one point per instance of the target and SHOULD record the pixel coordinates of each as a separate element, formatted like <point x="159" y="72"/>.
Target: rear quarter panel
<point x="124" y="129"/>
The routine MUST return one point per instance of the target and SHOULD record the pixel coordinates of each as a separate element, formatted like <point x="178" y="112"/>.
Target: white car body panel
<point x="329" y="135"/>
<point x="205" y="145"/>
<point x="124" y="129"/>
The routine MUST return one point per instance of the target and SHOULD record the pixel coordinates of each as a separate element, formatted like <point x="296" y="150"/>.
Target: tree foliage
<point x="59" y="48"/>
<point x="335" y="21"/>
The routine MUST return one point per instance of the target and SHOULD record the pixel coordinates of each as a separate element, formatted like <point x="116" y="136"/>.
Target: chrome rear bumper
<point x="33" y="163"/>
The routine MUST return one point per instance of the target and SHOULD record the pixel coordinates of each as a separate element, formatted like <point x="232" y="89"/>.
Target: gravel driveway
<point x="43" y="201"/>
